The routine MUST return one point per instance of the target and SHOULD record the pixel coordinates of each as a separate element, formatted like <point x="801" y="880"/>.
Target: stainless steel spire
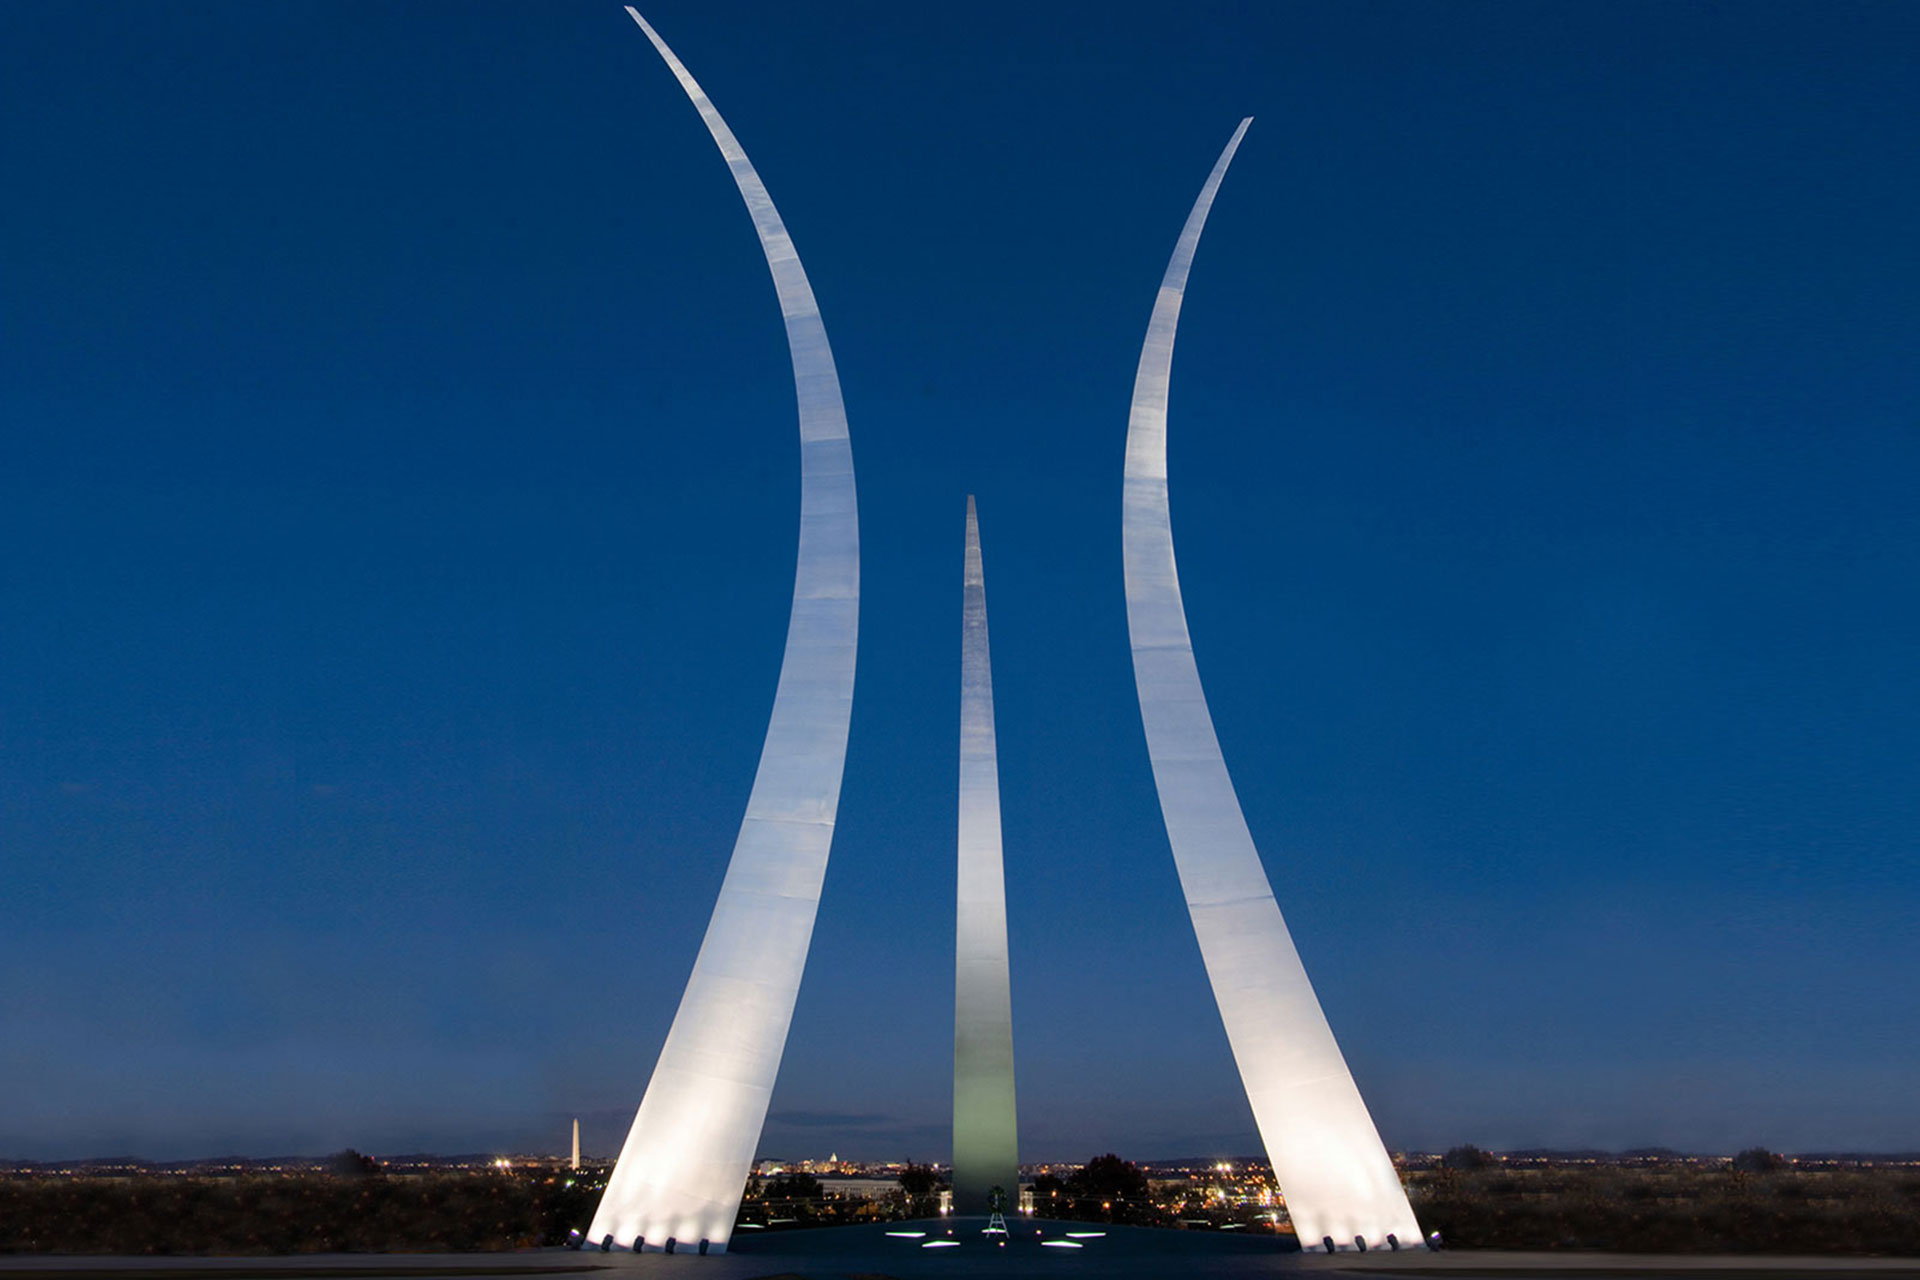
<point x="1338" y="1180"/>
<point x="685" y="1162"/>
<point x="985" y="1138"/>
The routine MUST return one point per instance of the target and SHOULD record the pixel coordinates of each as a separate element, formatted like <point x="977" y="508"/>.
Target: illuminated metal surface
<point x="685" y="1162"/>
<point x="1332" y="1168"/>
<point x="985" y="1137"/>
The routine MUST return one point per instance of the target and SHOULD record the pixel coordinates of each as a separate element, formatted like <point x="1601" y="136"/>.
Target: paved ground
<point x="872" y="1253"/>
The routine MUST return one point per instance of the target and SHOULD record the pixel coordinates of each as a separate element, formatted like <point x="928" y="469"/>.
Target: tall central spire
<point x="684" y="1166"/>
<point x="985" y="1137"/>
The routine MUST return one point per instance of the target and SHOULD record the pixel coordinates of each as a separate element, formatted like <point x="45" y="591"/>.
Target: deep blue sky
<point x="397" y="515"/>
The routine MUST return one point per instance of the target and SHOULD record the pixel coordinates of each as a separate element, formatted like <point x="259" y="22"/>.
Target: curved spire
<point x="686" y="1159"/>
<point x="1336" y="1175"/>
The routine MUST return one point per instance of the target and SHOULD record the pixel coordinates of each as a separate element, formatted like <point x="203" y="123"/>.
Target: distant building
<point x="851" y="1188"/>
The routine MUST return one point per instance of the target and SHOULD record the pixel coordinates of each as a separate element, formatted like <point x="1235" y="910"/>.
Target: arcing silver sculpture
<point x="685" y="1163"/>
<point x="985" y="1138"/>
<point x="1338" y="1180"/>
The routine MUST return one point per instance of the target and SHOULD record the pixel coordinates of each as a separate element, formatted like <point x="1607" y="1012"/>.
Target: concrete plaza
<point x="961" y="1252"/>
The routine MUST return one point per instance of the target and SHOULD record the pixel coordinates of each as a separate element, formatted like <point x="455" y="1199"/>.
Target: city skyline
<point x="400" y="485"/>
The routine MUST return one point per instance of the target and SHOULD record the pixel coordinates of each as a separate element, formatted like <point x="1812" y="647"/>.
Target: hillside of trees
<point x="290" y="1213"/>
<point x="1754" y="1204"/>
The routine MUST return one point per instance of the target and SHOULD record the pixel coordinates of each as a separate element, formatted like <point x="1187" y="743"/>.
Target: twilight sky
<point x="398" y="485"/>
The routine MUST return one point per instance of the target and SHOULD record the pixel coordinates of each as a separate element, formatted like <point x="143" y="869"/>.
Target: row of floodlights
<point x="575" y="1240"/>
<point x="1360" y="1242"/>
